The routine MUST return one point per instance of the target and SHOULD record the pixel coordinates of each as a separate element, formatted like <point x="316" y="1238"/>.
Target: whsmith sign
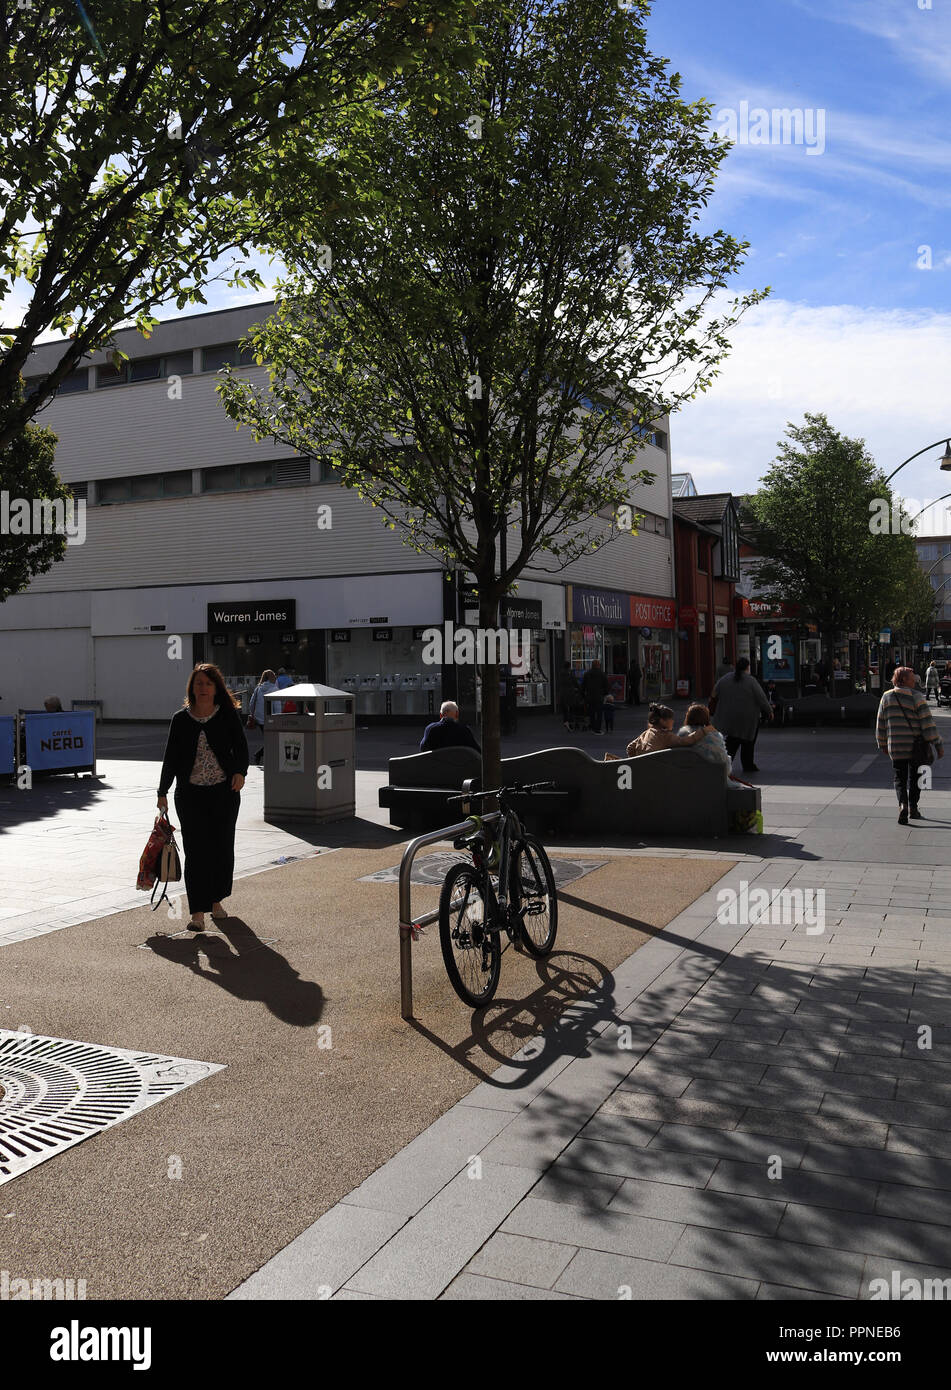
<point x="621" y="610"/>
<point x="253" y="614"/>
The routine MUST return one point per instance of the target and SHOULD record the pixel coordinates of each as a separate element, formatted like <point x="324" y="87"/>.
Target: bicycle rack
<point x="409" y="926"/>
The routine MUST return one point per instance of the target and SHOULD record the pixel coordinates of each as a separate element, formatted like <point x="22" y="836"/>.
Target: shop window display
<point x="384" y="669"/>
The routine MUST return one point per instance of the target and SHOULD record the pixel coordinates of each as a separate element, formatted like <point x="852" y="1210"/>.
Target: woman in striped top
<point x="903" y="716"/>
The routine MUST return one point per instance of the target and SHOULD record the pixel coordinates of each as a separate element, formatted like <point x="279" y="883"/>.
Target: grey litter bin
<point x="309" y="757"/>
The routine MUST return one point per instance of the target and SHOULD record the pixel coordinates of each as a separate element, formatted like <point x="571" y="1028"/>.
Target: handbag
<point x="160" y="861"/>
<point x="921" y="750"/>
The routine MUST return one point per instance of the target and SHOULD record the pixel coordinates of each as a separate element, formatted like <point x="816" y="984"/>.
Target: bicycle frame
<point x="500" y="913"/>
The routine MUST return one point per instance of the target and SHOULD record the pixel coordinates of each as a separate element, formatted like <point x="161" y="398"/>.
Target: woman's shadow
<point x="246" y="967"/>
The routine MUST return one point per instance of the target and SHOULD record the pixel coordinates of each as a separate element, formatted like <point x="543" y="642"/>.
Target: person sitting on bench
<point x="448" y="732"/>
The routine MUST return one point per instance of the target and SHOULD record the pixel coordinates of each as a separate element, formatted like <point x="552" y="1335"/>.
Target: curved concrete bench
<point x="674" y="792"/>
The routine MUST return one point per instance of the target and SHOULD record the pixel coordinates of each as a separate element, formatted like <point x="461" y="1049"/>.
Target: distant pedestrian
<point x="53" y="704"/>
<point x="608" y="712"/>
<point x="207" y="758"/>
<point x="569" y="694"/>
<point x="447" y="732"/>
<point x="906" y="731"/>
<point x="739" y="700"/>
<point x="932" y="682"/>
<point x="594" y="687"/>
<point x="634" y="682"/>
<point x="257" y="709"/>
<point x="283" y="681"/>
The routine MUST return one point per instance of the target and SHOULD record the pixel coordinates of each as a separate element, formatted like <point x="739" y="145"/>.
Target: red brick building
<point x="707" y="567"/>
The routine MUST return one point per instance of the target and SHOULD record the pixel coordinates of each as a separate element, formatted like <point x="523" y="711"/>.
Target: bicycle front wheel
<point x="534" y="896"/>
<point x="471" y="952"/>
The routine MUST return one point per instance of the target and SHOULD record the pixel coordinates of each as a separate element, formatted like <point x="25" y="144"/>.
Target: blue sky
<point x="843" y="229"/>
<point x="856" y="325"/>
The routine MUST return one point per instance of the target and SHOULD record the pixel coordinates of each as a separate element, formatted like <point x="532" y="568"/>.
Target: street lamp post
<point x="944" y="464"/>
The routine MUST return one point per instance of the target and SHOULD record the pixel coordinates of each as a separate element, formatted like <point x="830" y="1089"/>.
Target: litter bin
<point x="309" y="757"/>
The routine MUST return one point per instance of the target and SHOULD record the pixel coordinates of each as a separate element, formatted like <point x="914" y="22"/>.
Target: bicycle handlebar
<point x="499" y="791"/>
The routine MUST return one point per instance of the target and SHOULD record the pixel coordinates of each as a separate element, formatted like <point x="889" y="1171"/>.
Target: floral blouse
<point x="206" y="770"/>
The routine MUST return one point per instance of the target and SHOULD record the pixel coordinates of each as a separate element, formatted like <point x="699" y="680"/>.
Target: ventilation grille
<point x="292" y="473"/>
<point x="58" y="1093"/>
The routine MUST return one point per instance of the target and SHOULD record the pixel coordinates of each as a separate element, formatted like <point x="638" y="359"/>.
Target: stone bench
<point x="830" y="709"/>
<point x="671" y="793"/>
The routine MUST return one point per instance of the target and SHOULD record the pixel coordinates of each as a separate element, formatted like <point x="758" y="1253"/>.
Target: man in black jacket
<point x="448" y="732"/>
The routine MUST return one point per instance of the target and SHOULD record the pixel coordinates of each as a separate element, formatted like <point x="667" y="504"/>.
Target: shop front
<point x="772" y="637"/>
<point x="613" y="628"/>
<point x="538" y="612"/>
<point x="599" y="630"/>
<point x="652" y="638"/>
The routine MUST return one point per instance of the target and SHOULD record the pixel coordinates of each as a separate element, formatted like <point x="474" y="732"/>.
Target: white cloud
<point x="877" y="374"/>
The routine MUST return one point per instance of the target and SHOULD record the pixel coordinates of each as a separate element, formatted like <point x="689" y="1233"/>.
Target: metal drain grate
<point x="432" y="869"/>
<point x="58" y="1093"/>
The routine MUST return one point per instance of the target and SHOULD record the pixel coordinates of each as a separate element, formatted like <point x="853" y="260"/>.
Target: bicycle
<point x="473" y="912"/>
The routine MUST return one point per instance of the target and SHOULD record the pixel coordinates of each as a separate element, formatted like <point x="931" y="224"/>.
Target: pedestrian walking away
<point x="906" y="731"/>
<point x="932" y="682"/>
<point x="634" y="682"/>
<point x="594" y="687"/>
<point x="206" y="756"/>
<point x="739" y="700"/>
<point x="257" y="709"/>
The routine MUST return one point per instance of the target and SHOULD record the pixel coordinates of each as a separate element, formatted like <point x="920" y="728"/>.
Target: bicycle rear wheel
<point x="472" y="955"/>
<point x="533" y="894"/>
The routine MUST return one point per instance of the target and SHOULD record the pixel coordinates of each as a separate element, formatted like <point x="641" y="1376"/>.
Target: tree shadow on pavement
<point x="247" y="968"/>
<point x="49" y="796"/>
<point x="793" y="1117"/>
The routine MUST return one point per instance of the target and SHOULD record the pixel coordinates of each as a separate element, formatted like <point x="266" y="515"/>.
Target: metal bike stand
<point x="409" y="926"/>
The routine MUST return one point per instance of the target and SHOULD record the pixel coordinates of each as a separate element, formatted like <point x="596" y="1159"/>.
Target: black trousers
<point x="594" y="715"/>
<point x="906" y="782"/>
<point x="746" y="747"/>
<point x="207" y="816"/>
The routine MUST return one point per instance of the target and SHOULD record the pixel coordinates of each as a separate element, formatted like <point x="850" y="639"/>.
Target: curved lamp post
<point x="944" y="463"/>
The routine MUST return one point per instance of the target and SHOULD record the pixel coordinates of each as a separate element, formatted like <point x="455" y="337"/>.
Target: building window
<point x="145" y="487"/>
<point x="75" y="381"/>
<point x="702" y="554"/>
<point x="237" y="477"/>
<point x="225" y="354"/>
<point x="145" y="369"/>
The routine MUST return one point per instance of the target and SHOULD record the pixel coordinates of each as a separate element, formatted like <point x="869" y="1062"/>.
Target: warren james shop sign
<point x="253" y="613"/>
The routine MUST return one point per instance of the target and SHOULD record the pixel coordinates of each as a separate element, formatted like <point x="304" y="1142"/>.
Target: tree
<point x="130" y="150"/>
<point x="485" y="333"/>
<point x="817" y="524"/>
<point x="32" y="502"/>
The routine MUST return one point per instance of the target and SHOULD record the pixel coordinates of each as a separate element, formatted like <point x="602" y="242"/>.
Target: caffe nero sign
<point x="253" y="614"/>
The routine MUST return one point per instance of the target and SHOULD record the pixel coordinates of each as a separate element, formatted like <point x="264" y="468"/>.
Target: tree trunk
<point x="491" y="713"/>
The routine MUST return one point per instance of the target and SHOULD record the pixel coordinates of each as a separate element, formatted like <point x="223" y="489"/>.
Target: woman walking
<point x="207" y="758"/>
<point x="739" y="700"/>
<point x="257" y="709"/>
<point x="905" y="724"/>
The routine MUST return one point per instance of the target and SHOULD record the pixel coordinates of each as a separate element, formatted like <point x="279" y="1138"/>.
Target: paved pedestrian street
<point x="681" y="1103"/>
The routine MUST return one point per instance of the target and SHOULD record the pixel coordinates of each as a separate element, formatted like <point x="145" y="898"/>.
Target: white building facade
<point x="201" y="544"/>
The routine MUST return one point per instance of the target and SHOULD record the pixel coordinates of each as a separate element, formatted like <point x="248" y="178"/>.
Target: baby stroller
<point x="576" y="711"/>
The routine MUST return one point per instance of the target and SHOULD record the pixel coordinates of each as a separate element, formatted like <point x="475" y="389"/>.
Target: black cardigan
<point x="226" y="740"/>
